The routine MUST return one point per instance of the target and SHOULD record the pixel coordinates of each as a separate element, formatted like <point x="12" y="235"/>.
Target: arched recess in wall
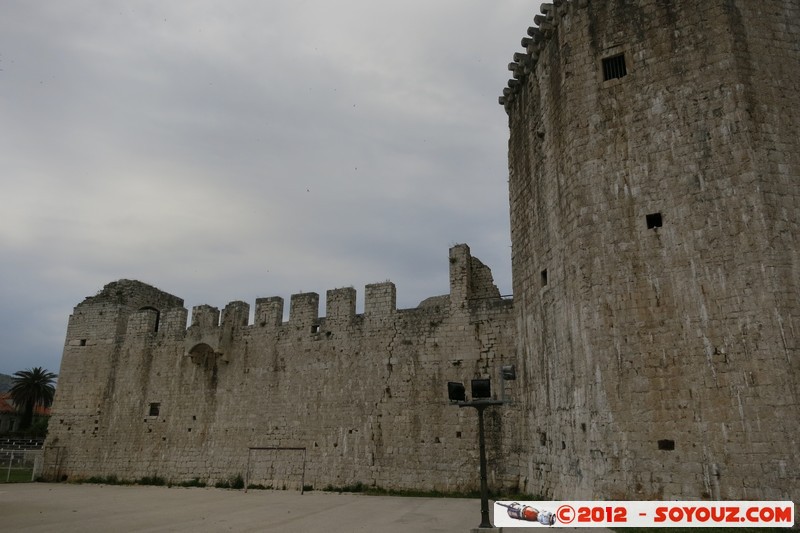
<point x="203" y="355"/>
<point x="158" y="316"/>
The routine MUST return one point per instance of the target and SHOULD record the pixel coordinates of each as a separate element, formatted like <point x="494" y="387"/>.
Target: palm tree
<point x="32" y="388"/>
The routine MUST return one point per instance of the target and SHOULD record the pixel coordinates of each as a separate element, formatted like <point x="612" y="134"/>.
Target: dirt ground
<point x="61" y="507"/>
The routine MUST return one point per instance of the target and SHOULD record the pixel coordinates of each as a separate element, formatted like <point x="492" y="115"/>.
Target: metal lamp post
<point x="481" y="399"/>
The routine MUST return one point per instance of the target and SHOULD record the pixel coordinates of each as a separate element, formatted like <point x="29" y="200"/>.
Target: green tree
<point x="32" y="388"/>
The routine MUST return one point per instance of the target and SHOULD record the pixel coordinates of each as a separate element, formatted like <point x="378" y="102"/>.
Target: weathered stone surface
<point x="655" y="220"/>
<point x="659" y="362"/>
<point x="364" y="394"/>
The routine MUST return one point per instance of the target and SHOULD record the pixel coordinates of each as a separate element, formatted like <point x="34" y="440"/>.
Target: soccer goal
<point x="276" y="468"/>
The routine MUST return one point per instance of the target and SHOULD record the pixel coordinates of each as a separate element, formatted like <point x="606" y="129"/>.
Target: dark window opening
<point x="614" y="67"/>
<point x="155" y="408"/>
<point x="83" y="342"/>
<point x="666" y="444"/>
<point x="544" y="277"/>
<point x="653" y="220"/>
<point x="315" y="328"/>
<point x="542" y="438"/>
<point x="583" y="427"/>
<point x="458" y="434"/>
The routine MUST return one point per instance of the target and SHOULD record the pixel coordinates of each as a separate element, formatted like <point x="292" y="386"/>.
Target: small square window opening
<point x="666" y="444"/>
<point x="653" y="220"/>
<point x="614" y="67"/>
<point x="155" y="409"/>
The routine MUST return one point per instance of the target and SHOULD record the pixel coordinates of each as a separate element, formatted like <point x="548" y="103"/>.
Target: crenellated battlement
<point x="204" y="316"/>
<point x="235" y="314"/>
<point x="304" y="309"/>
<point x="470" y="279"/>
<point x="534" y="43"/>
<point x="142" y="309"/>
<point x="173" y="322"/>
<point x="144" y="321"/>
<point x="340" y="307"/>
<point x="380" y="300"/>
<point x="269" y="312"/>
<point x="140" y="392"/>
<point x="654" y="207"/>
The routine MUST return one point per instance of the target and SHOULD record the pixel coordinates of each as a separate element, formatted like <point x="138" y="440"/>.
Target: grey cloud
<point x="233" y="150"/>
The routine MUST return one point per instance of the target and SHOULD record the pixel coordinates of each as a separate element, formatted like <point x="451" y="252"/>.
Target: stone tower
<point x="654" y="161"/>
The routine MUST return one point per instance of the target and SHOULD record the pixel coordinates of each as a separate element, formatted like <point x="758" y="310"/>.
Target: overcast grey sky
<point x="233" y="150"/>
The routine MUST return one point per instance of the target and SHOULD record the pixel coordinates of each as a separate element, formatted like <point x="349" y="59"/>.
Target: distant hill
<point x="6" y="382"/>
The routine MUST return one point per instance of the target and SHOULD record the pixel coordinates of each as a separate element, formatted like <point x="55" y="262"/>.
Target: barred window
<point x="614" y="67"/>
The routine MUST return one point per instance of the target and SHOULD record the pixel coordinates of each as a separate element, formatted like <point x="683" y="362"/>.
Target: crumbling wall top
<point x="469" y="279"/>
<point x="134" y="294"/>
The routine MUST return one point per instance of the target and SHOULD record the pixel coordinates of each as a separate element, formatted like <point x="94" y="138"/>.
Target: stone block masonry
<point x="654" y="185"/>
<point x="654" y="164"/>
<point x="365" y="394"/>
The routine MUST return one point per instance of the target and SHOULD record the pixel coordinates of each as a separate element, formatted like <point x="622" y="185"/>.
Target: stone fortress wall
<point x="365" y="394"/>
<point x="654" y="161"/>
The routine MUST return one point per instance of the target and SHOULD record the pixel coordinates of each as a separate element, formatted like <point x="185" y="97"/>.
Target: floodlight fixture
<point x="481" y="388"/>
<point x="456" y="391"/>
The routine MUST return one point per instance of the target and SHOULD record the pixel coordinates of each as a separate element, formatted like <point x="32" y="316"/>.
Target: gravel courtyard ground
<point x="61" y="507"/>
